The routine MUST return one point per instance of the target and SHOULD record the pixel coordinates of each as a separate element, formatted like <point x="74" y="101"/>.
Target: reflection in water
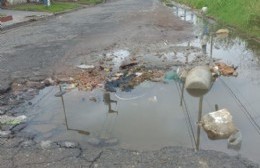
<point x="204" y="36"/>
<point x="108" y="101"/>
<point x="66" y="121"/>
<point x="198" y="123"/>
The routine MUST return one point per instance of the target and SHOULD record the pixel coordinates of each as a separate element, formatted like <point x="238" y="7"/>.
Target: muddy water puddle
<point x="150" y="116"/>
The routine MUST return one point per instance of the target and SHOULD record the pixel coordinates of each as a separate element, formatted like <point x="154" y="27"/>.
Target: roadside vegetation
<point x="90" y="2"/>
<point x="242" y="14"/>
<point x="55" y="7"/>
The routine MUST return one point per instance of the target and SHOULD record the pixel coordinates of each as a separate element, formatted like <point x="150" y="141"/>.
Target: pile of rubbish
<point x="129" y="78"/>
<point x="221" y="68"/>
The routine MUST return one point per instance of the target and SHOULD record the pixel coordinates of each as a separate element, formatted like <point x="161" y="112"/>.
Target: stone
<point x="46" y="144"/>
<point x="111" y="142"/>
<point x="5" y="134"/>
<point x="94" y="141"/>
<point x="27" y="143"/>
<point x="67" y="144"/>
<point x="218" y="124"/>
<point x="49" y="81"/>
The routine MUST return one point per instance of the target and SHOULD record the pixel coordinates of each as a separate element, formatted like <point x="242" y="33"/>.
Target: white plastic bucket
<point x="198" y="81"/>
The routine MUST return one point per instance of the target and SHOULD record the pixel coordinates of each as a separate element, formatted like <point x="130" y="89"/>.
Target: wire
<point x="187" y="118"/>
<point x="242" y="107"/>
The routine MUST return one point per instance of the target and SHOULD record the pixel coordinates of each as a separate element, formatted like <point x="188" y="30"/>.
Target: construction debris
<point x="218" y="124"/>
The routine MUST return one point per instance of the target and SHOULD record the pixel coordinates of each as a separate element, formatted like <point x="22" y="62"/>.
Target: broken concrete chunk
<point x="218" y="124"/>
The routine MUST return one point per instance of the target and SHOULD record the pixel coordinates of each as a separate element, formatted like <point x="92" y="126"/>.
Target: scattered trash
<point x="171" y="75"/>
<point x="222" y="31"/>
<point x="83" y="66"/>
<point x="235" y="140"/>
<point x="126" y="65"/>
<point x="123" y="82"/>
<point x="131" y="78"/>
<point x="89" y="80"/>
<point x="10" y="120"/>
<point x="68" y="87"/>
<point x="198" y="81"/>
<point x="224" y="69"/>
<point x="49" y="81"/>
<point x="204" y="10"/>
<point x="64" y="79"/>
<point x="218" y="124"/>
<point x="138" y="74"/>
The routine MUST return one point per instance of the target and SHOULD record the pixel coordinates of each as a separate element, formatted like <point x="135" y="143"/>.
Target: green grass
<point x="90" y="2"/>
<point x="54" y="8"/>
<point x="242" y="14"/>
<point x="2" y="15"/>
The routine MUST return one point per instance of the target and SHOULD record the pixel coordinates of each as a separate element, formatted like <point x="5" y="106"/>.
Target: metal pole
<point x="198" y="127"/>
<point x="182" y="93"/>
<point x="63" y="105"/>
<point x="211" y="48"/>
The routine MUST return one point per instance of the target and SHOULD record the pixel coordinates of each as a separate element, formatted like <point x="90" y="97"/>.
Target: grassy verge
<point x="2" y="15"/>
<point x="54" y="8"/>
<point x="242" y="14"/>
<point x="90" y="2"/>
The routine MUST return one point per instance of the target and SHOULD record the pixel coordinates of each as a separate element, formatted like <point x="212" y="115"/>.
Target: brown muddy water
<point x="150" y="116"/>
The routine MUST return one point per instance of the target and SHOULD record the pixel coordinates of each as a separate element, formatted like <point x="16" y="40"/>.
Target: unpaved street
<point x="47" y="52"/>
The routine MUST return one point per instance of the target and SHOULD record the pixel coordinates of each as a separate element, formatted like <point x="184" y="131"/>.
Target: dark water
<point x="150" y="116"/>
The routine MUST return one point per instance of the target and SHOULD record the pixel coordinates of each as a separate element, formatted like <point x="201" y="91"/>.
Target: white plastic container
<point x="198" y="81"/>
